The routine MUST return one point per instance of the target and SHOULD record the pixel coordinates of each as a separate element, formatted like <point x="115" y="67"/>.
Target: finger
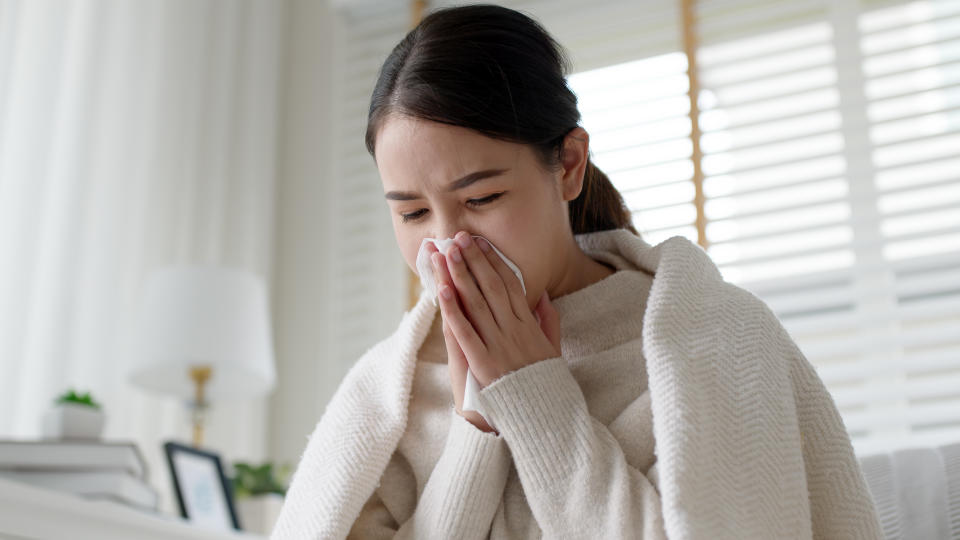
<point x="489" y="282"/>
<point x="454" y="353"/>
<point x="453" y="348"/>
<point x="518" y="300"/>
<point x="475" y="306"/>
<point x="431" y="249"/>
<point x="442" y="274"/>
<point x="549" y="320"/>
<point x="457" y="365"/>
<point x="462" y="328"/>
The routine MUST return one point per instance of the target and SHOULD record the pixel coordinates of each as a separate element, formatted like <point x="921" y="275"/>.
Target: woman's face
<point x="441" y="179"/>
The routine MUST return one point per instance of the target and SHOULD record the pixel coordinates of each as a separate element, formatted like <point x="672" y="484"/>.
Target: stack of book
<point x="92" y="469"/>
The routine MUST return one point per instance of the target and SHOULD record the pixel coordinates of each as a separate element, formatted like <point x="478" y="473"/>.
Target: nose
<point x="448" y="234"/>
<point x="449" y="230"/>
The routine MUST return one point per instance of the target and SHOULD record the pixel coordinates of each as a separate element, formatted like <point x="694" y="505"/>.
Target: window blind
<point x="633" y="102"/>
<point x="911" y="70"/>
<point x="830" y="140"/>
<point x="371" y="287"/>
<point x="637" y="115"/>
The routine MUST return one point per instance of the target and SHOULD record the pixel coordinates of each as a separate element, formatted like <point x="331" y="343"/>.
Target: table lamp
<point x="203" y="332"/>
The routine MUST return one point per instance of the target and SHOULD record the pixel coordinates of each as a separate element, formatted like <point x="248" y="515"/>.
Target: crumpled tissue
<point x="471" y="392"/>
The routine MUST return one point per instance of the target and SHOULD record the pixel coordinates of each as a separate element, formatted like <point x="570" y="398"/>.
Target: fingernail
<point x="483" y="244"/>
<point x="435" y="259"/>
<point x="463" y="239"/>
<point x="445" y="292"/>
<point x="455" y="253"/>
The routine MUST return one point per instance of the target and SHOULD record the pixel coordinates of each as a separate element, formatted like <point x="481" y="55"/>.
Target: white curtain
<point x="132" y="135"/>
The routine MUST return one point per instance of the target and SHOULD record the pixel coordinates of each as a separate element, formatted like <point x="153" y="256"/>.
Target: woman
<point x="475" y="135"/>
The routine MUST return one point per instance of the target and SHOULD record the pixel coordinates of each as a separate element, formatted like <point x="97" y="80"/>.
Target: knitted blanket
<point x="748" y="440"/>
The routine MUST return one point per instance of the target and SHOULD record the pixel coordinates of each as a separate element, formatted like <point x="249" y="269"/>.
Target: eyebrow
<point x="455" y="185"/>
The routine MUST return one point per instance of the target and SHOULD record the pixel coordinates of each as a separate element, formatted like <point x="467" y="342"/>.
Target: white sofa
<point x="917" y="491"/>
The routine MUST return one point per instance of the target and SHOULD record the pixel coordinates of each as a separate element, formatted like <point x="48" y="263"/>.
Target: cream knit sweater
<point x="602" y="368"/>
<point x="748" y="443"/>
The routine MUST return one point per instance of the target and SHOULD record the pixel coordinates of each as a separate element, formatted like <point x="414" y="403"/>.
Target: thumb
<point x="549" y="319"/>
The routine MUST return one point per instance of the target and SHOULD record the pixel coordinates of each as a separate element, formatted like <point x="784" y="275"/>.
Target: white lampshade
<point x="192" y="316"/>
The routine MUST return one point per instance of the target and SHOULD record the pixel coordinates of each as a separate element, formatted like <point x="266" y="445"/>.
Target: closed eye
<point x="413" y="216"/>
<point x="485" y="200"/>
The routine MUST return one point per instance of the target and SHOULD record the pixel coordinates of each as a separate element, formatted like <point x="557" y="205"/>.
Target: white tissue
<point x="471" y="392"/>
<point x="425" y="270"/>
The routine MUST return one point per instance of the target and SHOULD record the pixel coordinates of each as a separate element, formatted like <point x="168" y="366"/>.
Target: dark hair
<point x="498" y="72"/>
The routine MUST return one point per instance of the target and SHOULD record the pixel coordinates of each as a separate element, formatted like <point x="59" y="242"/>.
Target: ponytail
<point x="599" y="207"/>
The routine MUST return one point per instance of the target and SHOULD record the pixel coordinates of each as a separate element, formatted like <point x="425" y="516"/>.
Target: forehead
<point x="412" y="151"/>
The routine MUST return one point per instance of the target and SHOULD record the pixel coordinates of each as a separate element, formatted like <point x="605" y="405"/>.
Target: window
<point x="637" y="114"/>
<point x="831" y="171"/>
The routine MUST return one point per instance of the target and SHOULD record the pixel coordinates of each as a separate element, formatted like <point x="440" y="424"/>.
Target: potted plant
<point x="74" y="416"/>
<point x="258" y="492"/>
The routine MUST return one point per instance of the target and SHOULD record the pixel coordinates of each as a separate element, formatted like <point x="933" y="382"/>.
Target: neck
<point x="579" y="271"/>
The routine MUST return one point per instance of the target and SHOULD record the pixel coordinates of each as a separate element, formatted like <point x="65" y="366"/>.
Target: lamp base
<point x="199" y="412"/>
<point x="200" y="375"/>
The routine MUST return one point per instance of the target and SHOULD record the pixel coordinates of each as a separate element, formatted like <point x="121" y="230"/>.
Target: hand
<point x="488" y="326"/>
<point x="456" y="361"/>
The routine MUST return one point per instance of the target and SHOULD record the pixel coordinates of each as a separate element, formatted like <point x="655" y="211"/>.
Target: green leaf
<point x="71" y="396"/>
<point x="258" y="479"/>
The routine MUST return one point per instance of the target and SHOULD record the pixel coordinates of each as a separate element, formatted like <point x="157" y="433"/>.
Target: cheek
<point x="524" y="250"/>
<point x="534" y="277"/>
<point x="409" y="245"/>
<point x="527" y="234"/>
<point x="412" y="250"/>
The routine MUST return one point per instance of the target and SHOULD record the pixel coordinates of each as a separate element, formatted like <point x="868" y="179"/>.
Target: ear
<point x="573" y="159"/>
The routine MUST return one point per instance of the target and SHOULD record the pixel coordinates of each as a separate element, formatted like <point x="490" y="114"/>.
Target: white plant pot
<point x="258" y="513"/>
<point x="73" y="421"/>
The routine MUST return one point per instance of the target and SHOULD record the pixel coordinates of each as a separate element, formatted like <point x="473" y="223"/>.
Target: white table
<point x="34" y="513"/>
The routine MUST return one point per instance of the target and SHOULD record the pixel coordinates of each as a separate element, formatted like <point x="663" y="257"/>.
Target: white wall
<point x="339" y="278"/>
<point x="301" y="281"/>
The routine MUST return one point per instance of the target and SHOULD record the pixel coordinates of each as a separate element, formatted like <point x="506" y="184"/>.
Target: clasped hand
<point x="487" y="325"/>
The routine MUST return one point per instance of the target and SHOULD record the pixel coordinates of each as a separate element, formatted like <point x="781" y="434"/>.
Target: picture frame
<point x="203" y="491"/>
